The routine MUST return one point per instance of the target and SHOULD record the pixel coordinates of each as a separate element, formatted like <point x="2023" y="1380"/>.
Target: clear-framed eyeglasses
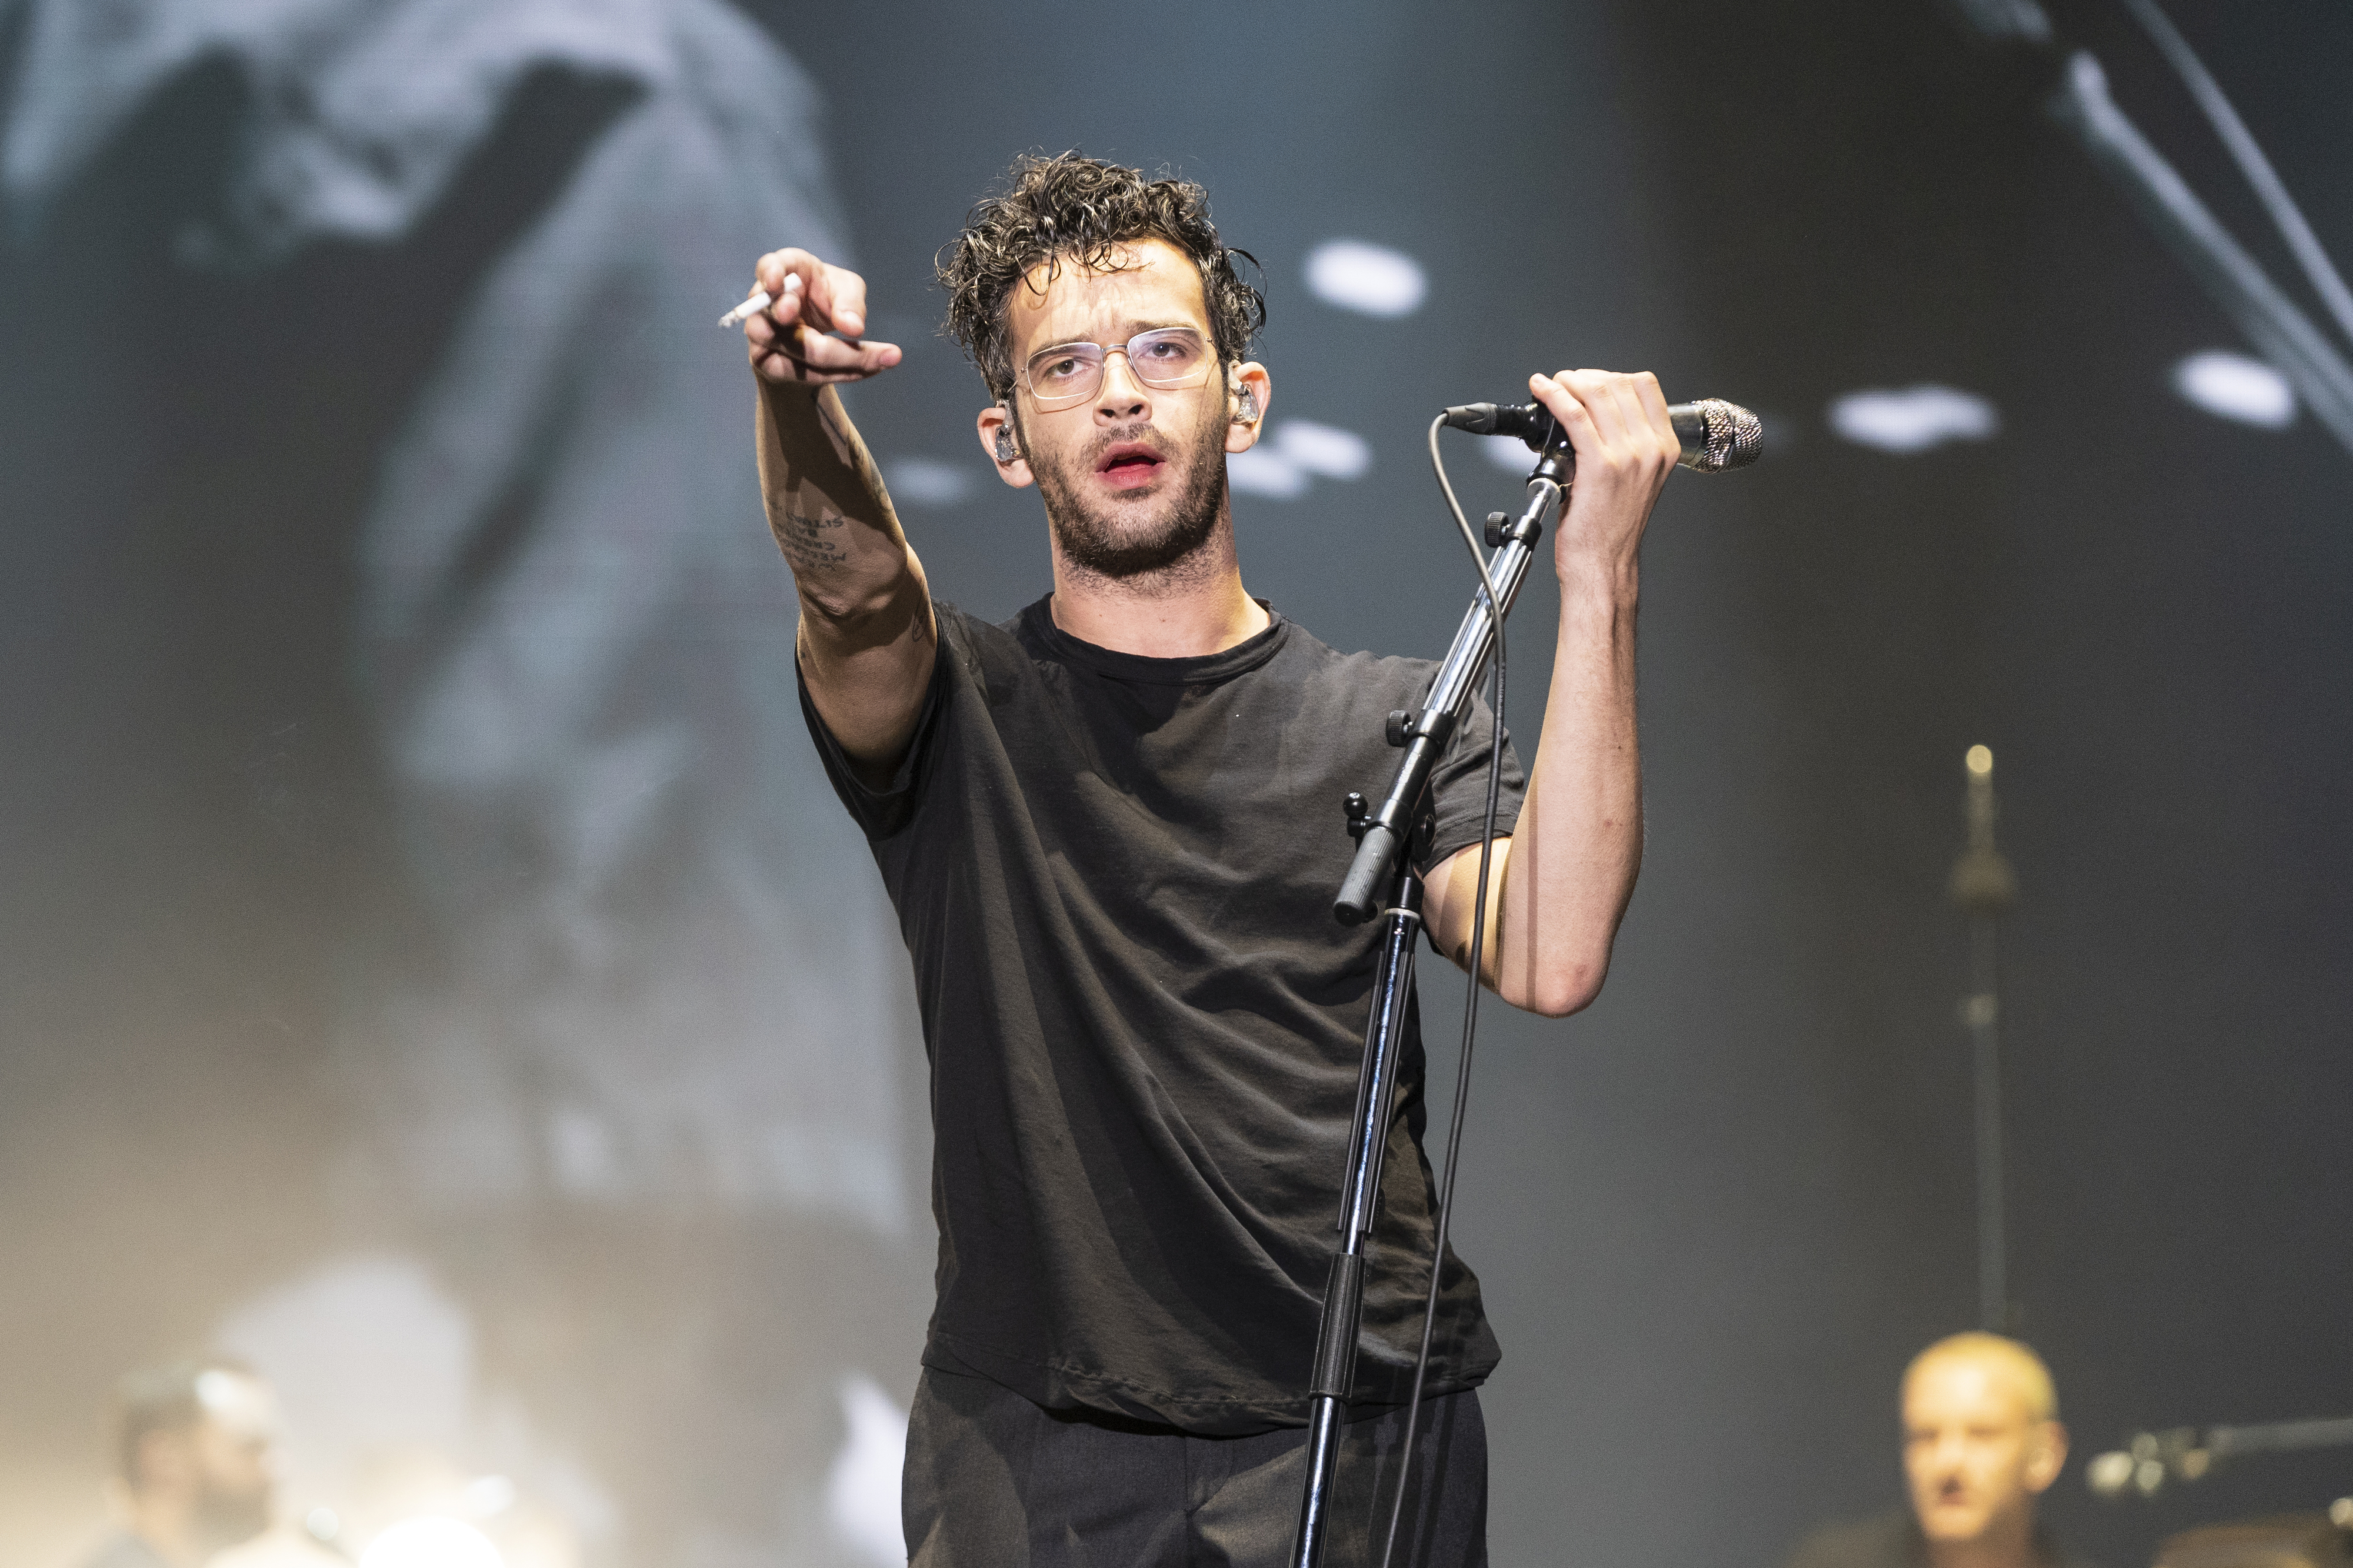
<point x="1163" y="358"/>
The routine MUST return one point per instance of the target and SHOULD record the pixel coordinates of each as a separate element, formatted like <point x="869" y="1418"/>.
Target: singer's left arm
<point x="1559" y="884"/>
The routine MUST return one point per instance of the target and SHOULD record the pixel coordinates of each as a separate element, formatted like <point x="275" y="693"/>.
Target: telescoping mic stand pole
<point x="1382" y="866"/>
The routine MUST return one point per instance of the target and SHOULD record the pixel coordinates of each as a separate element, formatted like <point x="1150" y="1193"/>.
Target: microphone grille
<point x="1735" y="437"/>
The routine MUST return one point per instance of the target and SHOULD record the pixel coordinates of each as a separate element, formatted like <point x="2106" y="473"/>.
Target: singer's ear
<point x="999" y="439"/>
<point x="1248" y="392"/>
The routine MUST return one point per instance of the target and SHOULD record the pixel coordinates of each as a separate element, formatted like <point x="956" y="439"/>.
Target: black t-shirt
<point x="1892" y="1539"/>
<point x="1116" y="875"/>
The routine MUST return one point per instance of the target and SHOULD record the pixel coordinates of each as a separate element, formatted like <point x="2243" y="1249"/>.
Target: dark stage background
<point x="432" y="966"/>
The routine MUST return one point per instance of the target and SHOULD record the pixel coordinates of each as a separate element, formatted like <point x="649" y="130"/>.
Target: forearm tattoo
<point x="810" y="544"/>
<point x="849" y="446"/>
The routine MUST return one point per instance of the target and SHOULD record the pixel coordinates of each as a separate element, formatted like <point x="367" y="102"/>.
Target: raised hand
<point x="813" y="333"/>
<point x="1625" y="447"/>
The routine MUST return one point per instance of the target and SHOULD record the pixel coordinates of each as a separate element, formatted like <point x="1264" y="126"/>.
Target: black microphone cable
<point x="1714" y="436"/>
<point x="1470" y="1003"/>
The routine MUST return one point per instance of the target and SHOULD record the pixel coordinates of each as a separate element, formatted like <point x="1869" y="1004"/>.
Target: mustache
<point x="1138" y="434"/>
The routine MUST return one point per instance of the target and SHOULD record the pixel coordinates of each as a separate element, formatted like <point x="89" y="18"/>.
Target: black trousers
<point x="994" y="1481"/>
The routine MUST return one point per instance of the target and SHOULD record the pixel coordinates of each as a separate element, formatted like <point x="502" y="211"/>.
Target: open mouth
<point x="1128" y="465"/>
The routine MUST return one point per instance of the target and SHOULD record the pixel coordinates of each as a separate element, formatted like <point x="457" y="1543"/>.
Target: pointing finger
<point x="845" y="301"/>
<point x="837" y="356"/>
<point x="799" y="355"/>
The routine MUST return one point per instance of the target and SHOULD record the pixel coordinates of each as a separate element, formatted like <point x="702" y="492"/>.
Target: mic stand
<point x="1381" y="866"/>
<point x="1984" y="887"/>
<point x="2185" y="1453"/>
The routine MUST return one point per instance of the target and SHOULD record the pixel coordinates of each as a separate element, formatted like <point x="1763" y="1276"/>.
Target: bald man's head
<point x="1981" y="1438"/>
<point x="2004" y="1359"/>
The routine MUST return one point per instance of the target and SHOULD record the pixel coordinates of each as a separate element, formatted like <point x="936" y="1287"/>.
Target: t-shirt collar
<point x="1038" y="625"/>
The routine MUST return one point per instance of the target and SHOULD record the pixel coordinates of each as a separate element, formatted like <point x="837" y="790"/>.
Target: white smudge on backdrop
<point x="1508" y="452"/>
<point x="1914" y="419"/>
<point x="376" y="1368"/>
<point x="1371" y="278"/>
<point x="1284" y="464"/>
<point x="2234" y="386"/>
<point x="926" y="481"/>
<point x="861" y="1493"/>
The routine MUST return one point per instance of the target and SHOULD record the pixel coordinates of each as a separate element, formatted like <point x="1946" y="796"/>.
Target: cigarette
<point x="759" y="302"/>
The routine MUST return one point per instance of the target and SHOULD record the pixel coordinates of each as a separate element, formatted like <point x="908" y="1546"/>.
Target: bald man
<point x="194" y="1443"/>
<point x="1981" y="1441"/>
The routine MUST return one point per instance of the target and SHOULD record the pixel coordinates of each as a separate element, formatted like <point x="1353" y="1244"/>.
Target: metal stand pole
<point x="1984" y="1010"/>
<point x="1984" y="887"/>
<point x="1381" y="868"/>
<point x="1344" y="1292"/>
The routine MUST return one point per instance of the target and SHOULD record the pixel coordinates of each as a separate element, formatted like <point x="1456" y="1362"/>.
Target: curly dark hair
<point x="1074" y="208"/>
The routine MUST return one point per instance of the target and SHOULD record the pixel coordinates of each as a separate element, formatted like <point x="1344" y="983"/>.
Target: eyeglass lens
<point x="1166" y="357"/>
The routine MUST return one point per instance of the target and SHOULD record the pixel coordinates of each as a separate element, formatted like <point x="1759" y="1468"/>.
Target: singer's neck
<point x="1192" y="606"/>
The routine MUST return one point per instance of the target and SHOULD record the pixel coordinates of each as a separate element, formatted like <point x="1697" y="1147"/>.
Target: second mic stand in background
<point x="2149" y="1459"/>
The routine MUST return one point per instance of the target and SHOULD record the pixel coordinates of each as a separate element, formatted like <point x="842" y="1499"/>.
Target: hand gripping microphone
<point x="1715" y="434"/>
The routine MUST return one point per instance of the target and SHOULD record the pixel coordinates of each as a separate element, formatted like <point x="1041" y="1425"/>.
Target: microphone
<point x="1715" y="434"/>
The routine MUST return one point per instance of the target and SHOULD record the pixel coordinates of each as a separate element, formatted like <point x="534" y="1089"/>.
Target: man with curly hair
<point x="1109" y="827"/>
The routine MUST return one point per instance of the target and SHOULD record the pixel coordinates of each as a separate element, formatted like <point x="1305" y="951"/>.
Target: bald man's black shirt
<point x="1115" y="875"/>
<point x="1893" y="1539"/>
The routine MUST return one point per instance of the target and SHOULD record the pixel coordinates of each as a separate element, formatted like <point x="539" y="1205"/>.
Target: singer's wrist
<point x="1598" y="578"/>
<point x="795" y="395"/>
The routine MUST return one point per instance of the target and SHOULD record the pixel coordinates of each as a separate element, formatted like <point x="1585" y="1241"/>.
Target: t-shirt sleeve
<point x="1458" y="786"/>
<point x="883" y="811"/>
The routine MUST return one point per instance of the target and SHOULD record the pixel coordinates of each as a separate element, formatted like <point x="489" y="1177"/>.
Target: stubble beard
<point x="1124" y="540"/>
<point x="226" y="1517"/>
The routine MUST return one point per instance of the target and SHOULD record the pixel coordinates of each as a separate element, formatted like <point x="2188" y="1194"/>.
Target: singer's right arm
<point x="866" y="638"/>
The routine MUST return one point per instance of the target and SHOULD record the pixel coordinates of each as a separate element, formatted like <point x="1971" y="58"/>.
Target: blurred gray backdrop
<point x="432" y="964"/>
